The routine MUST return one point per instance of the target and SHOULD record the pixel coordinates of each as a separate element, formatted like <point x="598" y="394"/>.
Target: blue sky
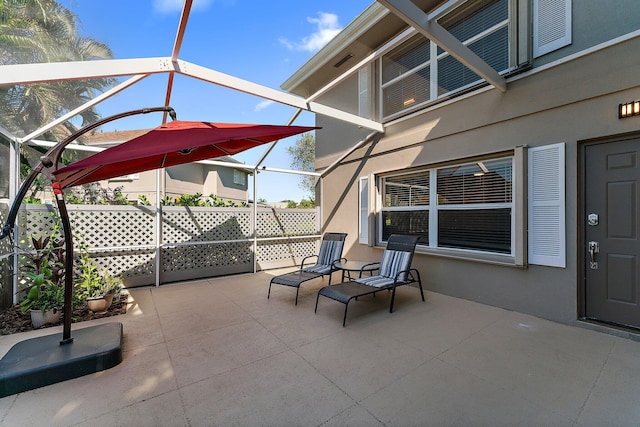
<point x="261" y="41"/>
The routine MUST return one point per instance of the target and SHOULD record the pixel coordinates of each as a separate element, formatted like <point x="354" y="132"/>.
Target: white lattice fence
<point x="182" y="224"/>
<point x="274" y="223"/>
<point x="36" y="220"/>
<point x="196" y="242"/>
<point x="285" y="253"/>
<point x="205" y="242"/>
<point x="287" y="222"/>
<point x="112" y="226"/>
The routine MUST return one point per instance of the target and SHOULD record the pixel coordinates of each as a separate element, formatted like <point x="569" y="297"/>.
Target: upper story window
<point x="239" y="177"/>
<point x="419" y="72"/>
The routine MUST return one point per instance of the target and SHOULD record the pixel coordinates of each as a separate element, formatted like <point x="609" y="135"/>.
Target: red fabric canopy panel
<point x="172" y="144"/>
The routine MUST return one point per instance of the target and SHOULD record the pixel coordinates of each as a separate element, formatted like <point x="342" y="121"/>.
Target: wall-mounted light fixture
<point x="629" y="109"/>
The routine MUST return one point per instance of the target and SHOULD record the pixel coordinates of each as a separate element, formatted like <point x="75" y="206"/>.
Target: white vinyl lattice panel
<point x="285" y="252"/>
<point x="180" y="224"/>
<point x="36" y="221"/>
<point x="122" y="238"/>
<point x="112" y="226"/>
<point x="287" y="222"/>
<point x="129" y="264"/>
<point x="186" y="258"/>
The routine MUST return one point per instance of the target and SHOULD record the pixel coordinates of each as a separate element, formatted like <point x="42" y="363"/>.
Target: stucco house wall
<point x="570" y="96"/>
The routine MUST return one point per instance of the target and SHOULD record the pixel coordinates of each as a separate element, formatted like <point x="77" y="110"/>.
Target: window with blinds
<point x="467" y="206"/>
<point x="410" y="77"/>
<point x="406" y="205"/>
<point x="474" y="206"/>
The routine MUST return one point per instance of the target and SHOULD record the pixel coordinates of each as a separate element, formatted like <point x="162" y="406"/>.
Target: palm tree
<point x="40" y="31"/>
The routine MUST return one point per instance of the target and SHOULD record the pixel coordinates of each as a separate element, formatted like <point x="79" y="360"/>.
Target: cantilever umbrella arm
<point x="47" y="165"/>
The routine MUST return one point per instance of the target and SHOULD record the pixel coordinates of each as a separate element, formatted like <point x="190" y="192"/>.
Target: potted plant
<point x="45" y="293"/>
<point x="43" y="301"/>
<point x="98" y="287"/>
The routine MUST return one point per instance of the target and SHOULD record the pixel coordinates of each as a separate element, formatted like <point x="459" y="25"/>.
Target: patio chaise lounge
<point x="395" y="270"/>
<point x="330" y="252"/>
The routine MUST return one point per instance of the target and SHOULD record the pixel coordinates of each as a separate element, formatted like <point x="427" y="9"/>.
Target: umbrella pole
<point x="48" y="163"/>
<point x="68" y="263"/>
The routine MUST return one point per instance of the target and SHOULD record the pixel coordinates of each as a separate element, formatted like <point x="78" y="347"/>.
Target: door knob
<point x="594" y="248"/>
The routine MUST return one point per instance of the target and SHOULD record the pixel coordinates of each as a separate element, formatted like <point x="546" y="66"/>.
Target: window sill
<point x="472" y="256"/>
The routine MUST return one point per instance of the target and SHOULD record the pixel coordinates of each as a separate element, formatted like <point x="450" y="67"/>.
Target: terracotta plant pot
<point x="40" y="317"/>
<point x="100" y="305"/>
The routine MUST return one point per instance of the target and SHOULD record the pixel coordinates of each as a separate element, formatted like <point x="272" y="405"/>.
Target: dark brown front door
<point x="612" y="247"/>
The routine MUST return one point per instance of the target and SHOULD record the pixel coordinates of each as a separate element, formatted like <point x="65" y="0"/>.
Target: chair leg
<point x="393" y="297"/>
<point x="297" y="290"/>
<point x="344" y="318"/>
<point x="269" y="294"/>
<point x="317" y="298"/>
<point x="420" y="285"/>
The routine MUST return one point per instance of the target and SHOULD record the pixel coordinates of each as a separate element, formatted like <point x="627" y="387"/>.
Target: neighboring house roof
<point x="106" y="139"/>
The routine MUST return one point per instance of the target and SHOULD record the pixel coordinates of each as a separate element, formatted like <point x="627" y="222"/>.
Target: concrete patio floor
<point x="217" y="352"/>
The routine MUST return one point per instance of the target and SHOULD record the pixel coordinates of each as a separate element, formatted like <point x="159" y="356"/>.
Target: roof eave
<point x="362" y="23"/>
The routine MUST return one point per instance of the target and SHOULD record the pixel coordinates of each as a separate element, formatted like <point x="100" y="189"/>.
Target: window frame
<point x="511" y="23"/>
<point x="514" y="257"/>
<point x="363" y="210"/>
<point x="239" y="177"/>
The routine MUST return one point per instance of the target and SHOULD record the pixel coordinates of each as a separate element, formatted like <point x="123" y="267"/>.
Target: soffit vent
<point x="347" y="57"/>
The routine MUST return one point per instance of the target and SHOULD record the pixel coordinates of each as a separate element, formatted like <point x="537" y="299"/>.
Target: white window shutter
<point x="363" y="202"/>
<point x="551" y="25"/>
<point x="547" y="241"/>
<point x="364" y="92"/>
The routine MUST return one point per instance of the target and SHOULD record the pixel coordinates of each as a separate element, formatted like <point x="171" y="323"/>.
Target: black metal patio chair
<point x="395" y="270"/>
<point x="330" y="252"/>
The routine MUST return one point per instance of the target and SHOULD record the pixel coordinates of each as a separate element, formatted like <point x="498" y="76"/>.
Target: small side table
<point x="348" y="267"/>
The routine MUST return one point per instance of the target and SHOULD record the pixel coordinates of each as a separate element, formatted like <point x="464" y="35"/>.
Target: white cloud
<point x="327" y="28"/>
<point x="262" y="105"/>
<point x="171" y="6"/>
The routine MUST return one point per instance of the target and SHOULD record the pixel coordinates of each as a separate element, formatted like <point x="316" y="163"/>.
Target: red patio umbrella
<point x="100" y="347"/>
<point x="172" y="144"/>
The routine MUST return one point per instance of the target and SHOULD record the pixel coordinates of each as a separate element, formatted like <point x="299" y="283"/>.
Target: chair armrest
<point x="333" y="264"/>
<point x="305" y="259"/>
<point x="399" y="273"/>
<point x="362" y="269"/>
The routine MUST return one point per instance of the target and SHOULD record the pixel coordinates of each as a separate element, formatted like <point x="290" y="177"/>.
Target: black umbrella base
<point x="42" y="361"/>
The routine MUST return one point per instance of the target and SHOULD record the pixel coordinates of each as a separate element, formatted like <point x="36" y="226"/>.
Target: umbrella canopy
<point x="172" y="144"/>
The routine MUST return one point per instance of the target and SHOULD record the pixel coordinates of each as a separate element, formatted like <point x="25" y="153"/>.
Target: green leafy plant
<point x="197" y="200"/>
<point x="95" y="194"/>
<point x="44" y="273"/>
<point x="167" y="201"/>
<point x="143" y="200"/>
<point x="94" y="282"/>
<point x="32" y="200"/>
<point x="44" y="295"/>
